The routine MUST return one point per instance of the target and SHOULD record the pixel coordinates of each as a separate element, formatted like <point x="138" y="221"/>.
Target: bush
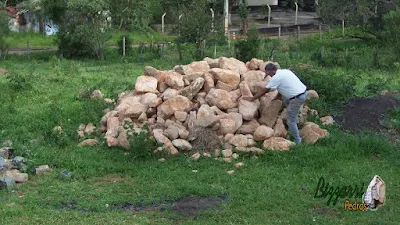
<point x="248" y="48"/>
<point x="334" y="86"/>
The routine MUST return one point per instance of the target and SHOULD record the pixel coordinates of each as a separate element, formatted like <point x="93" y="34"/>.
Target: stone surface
<point x="311" y="132"/>
<point x="88" y="143"/>
<point x="182" y="144"/>
<point x="263" y="133"/>
<point x="178" y="103"/>
<point x="17" y="176"/>
<point x="42" y="169"/>
<point x="239" y="140"/>
<point x="248" y="127"/>
<point x="174" y="80"/>
<point x="227" y="152"/>
<point x="327" y="120"/>
<point x="146" y="84"/>
<point x="270" y="113"/>
<point x="277" y="143"/>
<point x="312" y="94"/>
<point x="228" y="77"/>
<point x="280" y="129"/>
<point x="221" y="99"/>
<point x="194" y="88"/>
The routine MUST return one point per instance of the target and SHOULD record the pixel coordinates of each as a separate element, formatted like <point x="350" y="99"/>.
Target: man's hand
<point x="250" y="99"/>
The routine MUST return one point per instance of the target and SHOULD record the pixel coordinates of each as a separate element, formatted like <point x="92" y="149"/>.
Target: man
<point x="293" y="91"/>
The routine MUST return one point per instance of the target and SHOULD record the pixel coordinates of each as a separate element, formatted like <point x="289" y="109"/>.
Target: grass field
<point x="276" y="188"/>
<point x="39" y="41"/>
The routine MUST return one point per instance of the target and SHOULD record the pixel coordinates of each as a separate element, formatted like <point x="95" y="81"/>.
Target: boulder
<point x="146" y="84"/>
<point x="278" y="143"/>
<point x="311" y="132"/>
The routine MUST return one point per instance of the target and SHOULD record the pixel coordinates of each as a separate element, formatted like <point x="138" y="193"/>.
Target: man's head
<point x="270" y="69"/>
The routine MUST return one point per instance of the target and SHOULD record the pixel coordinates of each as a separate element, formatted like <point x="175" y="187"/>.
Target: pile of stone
<point x="11" y="167"/>
<point x="199" y="107"/>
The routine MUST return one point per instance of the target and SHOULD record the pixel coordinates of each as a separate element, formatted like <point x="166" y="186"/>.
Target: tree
<point x="243" y="14"/>
<point x="368" y="13"/>
<point x="196" y="25"/>
<point x="131" y="14"/>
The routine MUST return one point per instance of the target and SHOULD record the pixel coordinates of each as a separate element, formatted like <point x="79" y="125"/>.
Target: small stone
<point x="17" y="176"/>
<point x="195" y="171"/>
<point x="42" y="169"/>
<point x="206" y="154"/>
<point x="227" y="152"/>
<point x="230" y="172"/>
<point x="6" y="182"/>
<point x="235" y="155"/>
<point x="161" y="160"/>
<point x="18" y="162"/>
<point x="239" y="164"/>
<point x="108" y="101"/>
<point x="88" y="143"/>
<point x="228" y="159"/>
<point x="327" y="120"/>
<point x="195" y="156"/>
<point x="97" y="94"/>
<point x="65" y="174"/>
<point x="217" y="152"/>
<point x="6" y="152"/>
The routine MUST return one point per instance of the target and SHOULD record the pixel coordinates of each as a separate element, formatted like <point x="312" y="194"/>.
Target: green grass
<point x="38" y="41"/>
<point x="276" y="188"/>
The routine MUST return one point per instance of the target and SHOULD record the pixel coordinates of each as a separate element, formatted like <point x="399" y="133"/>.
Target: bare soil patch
<point x="361" y="114"/>
<point x="189" y="206"/>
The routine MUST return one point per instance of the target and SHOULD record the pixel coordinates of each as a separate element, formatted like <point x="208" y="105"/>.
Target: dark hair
<point x="270" y="67"/>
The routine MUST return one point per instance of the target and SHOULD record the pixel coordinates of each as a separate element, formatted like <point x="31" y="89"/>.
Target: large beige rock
<point x="169" y="93"/>
<point x="223" y="86"/>
<point x="254" y="64"/>
<point x="146" y="84"/>
<point x="263" y="133"/>
<point x="147" y="99"/>
<point x="311" y="132"/>
<point x="178" y="103"/>
<point x="270" y="114"/>
<point x="195" y="67"/>
<point x="238" y="118"/>
<point x="227" y="126"/>
<point x="228" y="77"/>
<point x="221" y="99"/>
<point x="208" y="82"/>
<point x="239" y="140"/>
<point x="277" y="143"/>
<point x="248" y="109"/>
<point x="248" y="127"/>
<point x="135" y="110"/>
<point x="232" y="64"/>
<point x="174" y="80"/>
<point x="213" y="63"/>
<point x="182" y="145"/>
<point x="160" y="138"/>
<point x="266" y="100"/>
<point x="123" y="138"/>
<point x="279" y="129"/>
<point x="254" y="79"/>
<point x="194" y="88"/>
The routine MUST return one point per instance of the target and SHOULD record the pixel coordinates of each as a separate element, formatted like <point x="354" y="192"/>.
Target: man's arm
<point x="262" y="92"/>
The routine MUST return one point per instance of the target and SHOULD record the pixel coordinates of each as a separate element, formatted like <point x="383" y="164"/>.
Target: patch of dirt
<point x="189" y="206"/>
<point x="367" y="113"/>
<point x="109" y="179"/>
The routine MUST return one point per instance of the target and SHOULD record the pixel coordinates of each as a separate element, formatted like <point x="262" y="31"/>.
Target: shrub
<point x="248" y="48"/>
<point x="335" y="86"/>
